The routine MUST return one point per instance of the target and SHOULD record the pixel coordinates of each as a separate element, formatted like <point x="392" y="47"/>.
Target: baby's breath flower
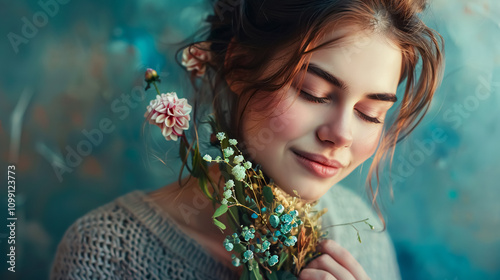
<point x="247" y="165"/>
<point x="227" y="194"/>
<point x="236" y="262"/>
<point x="207" y="158"/>
<point x="221" y="136"/>
<point x="229" y="184"/>
<point x="218" y="158"/>
<point x="228" y="152"/>
<point x="238" y="159"/>
<point x="233" y="142"/>
<point x="239" y="172"/>
<point x="224" y="201"/>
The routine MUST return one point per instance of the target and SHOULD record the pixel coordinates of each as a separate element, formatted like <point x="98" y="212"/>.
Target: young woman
<point x="304" y="86"/>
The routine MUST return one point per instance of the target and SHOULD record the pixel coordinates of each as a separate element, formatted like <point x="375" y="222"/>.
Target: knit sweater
<point x="131" y="238"/>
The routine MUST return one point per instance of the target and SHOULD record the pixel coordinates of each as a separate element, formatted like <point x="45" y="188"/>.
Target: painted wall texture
<point x="71" y="119"/>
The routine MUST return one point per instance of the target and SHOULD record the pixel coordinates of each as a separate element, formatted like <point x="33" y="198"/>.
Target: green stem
<point x="157" y="90"/>
<point x="346" y="224"/>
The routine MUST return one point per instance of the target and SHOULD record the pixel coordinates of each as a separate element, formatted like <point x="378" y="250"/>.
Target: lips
<point x="319" y="165"/>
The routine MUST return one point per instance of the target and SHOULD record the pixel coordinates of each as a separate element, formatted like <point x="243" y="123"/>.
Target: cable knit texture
<point x="131" y="238"/>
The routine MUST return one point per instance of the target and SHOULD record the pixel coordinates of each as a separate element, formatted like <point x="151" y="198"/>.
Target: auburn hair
<point x="245" y="37"/>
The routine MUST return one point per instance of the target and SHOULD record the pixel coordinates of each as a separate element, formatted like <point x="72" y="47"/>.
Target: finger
<point x="343" y="257"/>
<point x="314" y="274"/>
<point x="327" y="263"/>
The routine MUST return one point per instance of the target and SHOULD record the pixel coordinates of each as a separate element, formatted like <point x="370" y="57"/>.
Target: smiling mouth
<point x="317" y="168"/>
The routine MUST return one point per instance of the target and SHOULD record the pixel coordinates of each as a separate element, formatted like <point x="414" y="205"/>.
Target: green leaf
<point x="198" y="163"/>
<point x="219" y="224"/>
<point x="268" y="194"/>
<point x="282" y="259"/>
<point x="221" y="210"/>
<point x="255" y="272"/>
<point x="271" y="275"/>
<point x="285" y="275"/>
<point x="202" y="182"/>
<point x="239" y="248"/>
<point x="245" y="274"/>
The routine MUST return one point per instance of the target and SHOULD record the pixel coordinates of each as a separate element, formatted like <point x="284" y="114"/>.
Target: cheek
<point x="284" y="121"/>
<point x="366" y="144"/>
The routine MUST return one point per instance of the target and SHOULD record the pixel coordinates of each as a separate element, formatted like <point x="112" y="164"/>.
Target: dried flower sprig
<point x="274" y="231"/>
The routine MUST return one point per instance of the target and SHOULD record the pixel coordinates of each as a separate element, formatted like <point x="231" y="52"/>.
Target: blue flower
<point x="274" y="220"/>
<point x="236" y="262"/>
<point x="264" y="209"/>
<point x="265" y="245"/>
<point x="294" y="213"/>
<point x="235" y="235"/>
<point x="277" y="233"/>
<point x="286" y="219"/>
<point x="248" y="255"/>
<point x="228" y="245"/>
<point x="254" y="216"/>
<point x="286" y="228"/>
<point x="279" y="209"/>
<point x="273" y="260"/>
<point x="247" y="235"/>
<point x="290" y="241"/>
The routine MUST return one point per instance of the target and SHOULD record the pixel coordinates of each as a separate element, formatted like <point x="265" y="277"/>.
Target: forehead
<point x="362" y="57"/>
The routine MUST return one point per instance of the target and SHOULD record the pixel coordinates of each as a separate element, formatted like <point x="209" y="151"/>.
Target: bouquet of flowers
<point x="274" y="234"/>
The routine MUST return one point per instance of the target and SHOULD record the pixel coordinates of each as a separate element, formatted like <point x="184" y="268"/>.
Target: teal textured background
<point x="72" y="72"/>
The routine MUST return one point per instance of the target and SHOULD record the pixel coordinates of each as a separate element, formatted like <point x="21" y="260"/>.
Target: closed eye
<point x="324" y="100"/>
<point x="312" y="98"/>
<point x="368" y="118"/>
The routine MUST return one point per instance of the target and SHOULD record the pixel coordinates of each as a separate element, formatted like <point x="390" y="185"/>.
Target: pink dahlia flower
<point x="170" y="113"/>
<point x="195" y="57"/>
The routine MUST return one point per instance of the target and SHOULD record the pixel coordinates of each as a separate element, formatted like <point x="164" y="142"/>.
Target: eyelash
<point x="324" y="100"/>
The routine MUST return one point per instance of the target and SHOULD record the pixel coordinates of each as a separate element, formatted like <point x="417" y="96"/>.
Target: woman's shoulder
<point x="130" y="238"/>
<point x="375" y="252"/>
<point x="97" y="242"/>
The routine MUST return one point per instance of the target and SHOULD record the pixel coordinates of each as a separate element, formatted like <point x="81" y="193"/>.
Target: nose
<point x="336" y="130"/>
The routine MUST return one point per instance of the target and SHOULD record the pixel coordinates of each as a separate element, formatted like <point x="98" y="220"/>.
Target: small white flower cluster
<point x="239" y="170"/>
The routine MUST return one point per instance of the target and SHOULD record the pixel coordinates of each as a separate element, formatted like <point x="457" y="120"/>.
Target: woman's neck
<point x="192" y="211"/>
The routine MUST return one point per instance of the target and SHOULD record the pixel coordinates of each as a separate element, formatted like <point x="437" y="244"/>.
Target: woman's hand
<point x="336" y="263"/>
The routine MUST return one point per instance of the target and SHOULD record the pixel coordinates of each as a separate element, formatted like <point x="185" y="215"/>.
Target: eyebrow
<point x="317" y="71"/>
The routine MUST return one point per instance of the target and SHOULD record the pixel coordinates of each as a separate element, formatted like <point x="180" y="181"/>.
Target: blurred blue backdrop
<point x="71" y="67"/>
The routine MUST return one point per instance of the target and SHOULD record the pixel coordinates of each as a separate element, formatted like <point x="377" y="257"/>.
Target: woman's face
<point x="313" y="141"/>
